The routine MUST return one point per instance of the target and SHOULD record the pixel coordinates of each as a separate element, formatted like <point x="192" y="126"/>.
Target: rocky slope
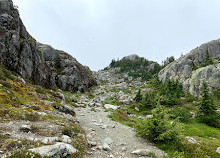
<point x="46" y="66"/>
<point x="136" y="67"/>
<point x="187" y="69"/>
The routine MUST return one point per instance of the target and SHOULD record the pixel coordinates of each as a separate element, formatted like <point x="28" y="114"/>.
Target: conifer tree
<point x="208" y="60"/>
<point x="139" y="96"/>
<point x="207" y="110"/>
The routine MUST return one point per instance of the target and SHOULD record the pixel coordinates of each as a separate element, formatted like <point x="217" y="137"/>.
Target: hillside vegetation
<point x="177" y="122"/>
<point x="136" y="66"/>
<point x="32" y="116"/>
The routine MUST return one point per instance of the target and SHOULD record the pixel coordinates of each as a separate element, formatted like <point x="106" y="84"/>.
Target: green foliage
<point x="71" y="131"/>
<point x="139" y="96"/>
<point x="159" y="128"/>
<point x="168" y="61"/>
<point x="207" y="110"/>
<point x="208" y="60"/>
<point x="31" y="117"/>
<point x="182" y="114"/>
<point x="189" y="98"/>
<point x="150" y="101"/>
<point x="137" y="68"/>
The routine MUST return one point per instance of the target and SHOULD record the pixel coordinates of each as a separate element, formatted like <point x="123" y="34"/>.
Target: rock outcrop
<point x="43" y="65"/>
<point x="187" y="69"/>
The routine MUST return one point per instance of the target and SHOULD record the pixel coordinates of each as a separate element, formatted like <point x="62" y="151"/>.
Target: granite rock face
<point x="43" y="65"/>
<point x="187" y="69"/>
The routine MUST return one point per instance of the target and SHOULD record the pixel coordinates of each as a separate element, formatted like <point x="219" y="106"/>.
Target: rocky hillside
<point x="136" y="67"/>
<point x="191" y="71"/>
<point x="43" y="65"/>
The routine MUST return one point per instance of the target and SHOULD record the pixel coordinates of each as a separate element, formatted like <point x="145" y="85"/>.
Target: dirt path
<point x="99" y="127"/>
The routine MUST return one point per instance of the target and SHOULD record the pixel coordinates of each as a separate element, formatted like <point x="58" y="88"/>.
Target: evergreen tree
<point x="207" y="110"/>
<point x="139" y="96"/>
<point x="159" y="128"/>
<point x="208" y="60"/>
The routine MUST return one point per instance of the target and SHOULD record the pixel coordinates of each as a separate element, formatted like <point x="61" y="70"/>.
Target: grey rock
<point x="41" y="64"/>
<point x="124" y="149"/>
<point x="149" y="116"/>
<point x="65" y="109"/>
<point x="50" y="140"/>
<point x="62" y="97"/>
<point x="59" y="150"/>
<point x="125" y="99"/>
<point x="105" y="144"/>
<point x="106" y="147"/>
<point x="25" y="128"/>
<point x="141" y="152"/>
<point x="184" y="69"/>
<point x="218" y="150"/>
<point x="66" y="139"/>
<point x="192" y="140"/>
<point x="92" y="143"/>
<point x="109" y="106"/>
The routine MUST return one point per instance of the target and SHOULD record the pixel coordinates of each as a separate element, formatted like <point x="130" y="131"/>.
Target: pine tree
<point x="139" y="96"/>
<point x="207" y="110"/>
<point x="208" y="60"/>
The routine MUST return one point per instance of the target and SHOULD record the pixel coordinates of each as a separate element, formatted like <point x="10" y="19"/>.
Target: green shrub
<point x="40" y="90"/>
<point x="158" y="128"/>
<point x="182" y="114"/>
<point x="139" y="96"/>
<point x="189" y="97"/>
<point x="31" y="117"/>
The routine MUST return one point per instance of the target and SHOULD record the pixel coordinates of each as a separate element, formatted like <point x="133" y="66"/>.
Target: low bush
<point x="158" y="128"/>
<point x="182" y="114"/>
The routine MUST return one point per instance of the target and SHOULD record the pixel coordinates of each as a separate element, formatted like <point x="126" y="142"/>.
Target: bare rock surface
<point x="187" y="69"/>
<point x="40" y="63"/>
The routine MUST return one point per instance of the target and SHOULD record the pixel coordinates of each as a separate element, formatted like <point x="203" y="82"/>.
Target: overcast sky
<point x="96" y="31"/>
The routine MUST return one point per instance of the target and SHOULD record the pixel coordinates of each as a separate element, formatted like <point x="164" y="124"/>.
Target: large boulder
<point x="58" y="150"/>
<point x="43" y="65"/>
<point x="187" y="69"/>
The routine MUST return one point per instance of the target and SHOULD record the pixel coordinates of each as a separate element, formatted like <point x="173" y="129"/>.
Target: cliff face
<point x="46" y="66"/>
<point x="187" y="69"/>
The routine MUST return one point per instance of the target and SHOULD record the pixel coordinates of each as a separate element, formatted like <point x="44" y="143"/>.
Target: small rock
<point x="109" y="106"/>
<point x="192" y="140"/>
<point x="25" y="128"/>
<point x="141" y="152"/>
<point x="92" y="143"/>
<point x="149" y="116"/>
<point x="21" y="79"/>
<point x="218" y="150"/>
<point x="124" y="149"/>
<point x="99" y="147"/>
<point x="136" y="108"/>
<point x="66" y="139"/>
<point x="50" y="140"/>
<point x="106" y="147"/>
<point x="104" y="126"/>
<point x="111" y="156"/>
